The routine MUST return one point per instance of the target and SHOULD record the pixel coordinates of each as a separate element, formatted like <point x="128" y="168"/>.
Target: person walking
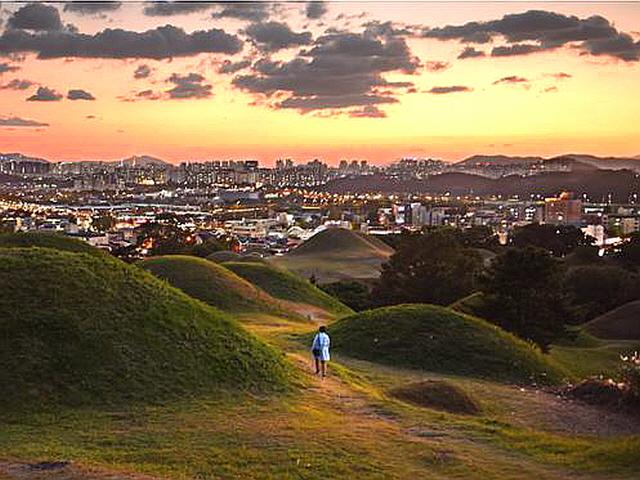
<point x="320" y="351"/>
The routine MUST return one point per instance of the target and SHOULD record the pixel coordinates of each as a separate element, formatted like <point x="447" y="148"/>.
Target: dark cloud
<point x="18" y="84"/>
<point x="341" y="70"/>
<point x="77" y="94"/>
<point x="370" y="111"/>
<point x="37" y="17"/>
<point x="162" y="42"/>
<point x="452" y="89"/>
<point x="20" y="122"/>
<point x="315" y="9"/>
<point x="91" y="8"/>
<point x="594" y="35"/>
<point x="470" y="52"/>
<point x="232" y="67"/>
<point x="384" y="29"/>
<point x="188" y="86"/>
<point x="7" y="67"/>
<point x="167" y="9"/>
<point x="45" y="94"/>
<point x="148" y="95"/>
<point x="436" y="66"/>
<point x="511" y="79"/>
<point x="274" y="36"/>
<point x="252" y="11"/>
<point x="560" y="75"/>
<point x="142" y="71"/>
<point x="517" y="49"/>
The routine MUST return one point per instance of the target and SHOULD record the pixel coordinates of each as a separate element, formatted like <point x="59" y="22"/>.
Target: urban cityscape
<point x="317" y="240"/>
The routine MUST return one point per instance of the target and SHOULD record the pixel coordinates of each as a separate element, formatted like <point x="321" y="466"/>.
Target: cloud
<point x="7" y="67"/>
<point x="594" y="35"/>
<point x="436" y="66"/>
<point x="370" y="111"/>
<point x="77" y="94"/>
<point x="20" y="122"/>
<point x="161" y="42"/>
<point x="274" y="36"/>
<point x="142" y="71"/>
<point x="315" y="9"/>
<point x="45" y="94"/>
<point x="550" y="89"/>
<point x="91" y="8"/>
<point x="559" y="75"/>
<point x="253" y="11"/>
<point x="452" y="89"/>
<point x="511" y="79"/>
<point x="232" y="67"/>
<point x="167" y="9"/>
<point x="37" y="17"/>
<point x="17" y="84"/>
<point x="470" y="52"/>
<point x="341" y="70"/>
<point x="148" y="95"/>
<point x="188" y="86"/>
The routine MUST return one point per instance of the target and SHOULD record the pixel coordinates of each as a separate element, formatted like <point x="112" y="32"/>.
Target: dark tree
<point x="629" y="253"/>
<point x="478" y="237"/>
<point x="594" y="290"/>
<point x="354" y="294"/>
<point x="429" y="268"/>
<point x="103" y="223"/>
<point x="163" y="238"/>
<point x="559" y="240"/>
<point x="523" y="294"/>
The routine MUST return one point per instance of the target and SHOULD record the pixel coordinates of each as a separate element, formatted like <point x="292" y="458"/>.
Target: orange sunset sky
<point x="366" y="80"/>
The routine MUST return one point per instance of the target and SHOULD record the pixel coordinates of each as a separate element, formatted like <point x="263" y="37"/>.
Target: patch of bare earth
<point x="60" y="470"/>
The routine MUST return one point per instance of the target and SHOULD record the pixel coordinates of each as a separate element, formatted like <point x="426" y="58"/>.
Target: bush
<point x="630" y="370"/>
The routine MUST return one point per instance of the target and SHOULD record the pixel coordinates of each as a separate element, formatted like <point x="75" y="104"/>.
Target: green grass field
<point x="285" y="285"/>
<point x="363" y="421"/>
<point x="47" y="240"/>
<point x="80" y="329"/>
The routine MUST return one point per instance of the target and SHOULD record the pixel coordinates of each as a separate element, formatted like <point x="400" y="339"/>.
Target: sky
<point x="379" y="80"/>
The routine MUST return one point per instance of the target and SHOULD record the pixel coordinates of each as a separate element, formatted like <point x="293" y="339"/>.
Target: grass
<point x="285" y="285"/>
<point x="441" y="340"/>
<point x="47" y="240"/>
<point x="337" y="254"/>
<point x="437" y="394"/>
<point x="82" y="329"/>
<point x="212" y="284"/>
<point x="622" y="323"/>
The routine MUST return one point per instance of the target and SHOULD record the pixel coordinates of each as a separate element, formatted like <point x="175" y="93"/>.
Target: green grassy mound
<point x="224" y="256"/>
<point x="79" y="329"/>
<point x="287" y="286"/>
<point x="211" y="283"/>
<point x="441" y="340"/>
<point x="471" y="304"/>
<point x="337" y="254"/>
<point x="437" y="394"/>
<point x="47" y="240"/>
<point x="622" y="323"/>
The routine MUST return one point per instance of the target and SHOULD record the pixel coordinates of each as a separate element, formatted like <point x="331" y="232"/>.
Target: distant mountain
<point x="496" y="160"/>
<point x="143" y="161"/>
<point x="597" y="184"/>
<point x="605" y="163"/>
<point x="15" y="156"/>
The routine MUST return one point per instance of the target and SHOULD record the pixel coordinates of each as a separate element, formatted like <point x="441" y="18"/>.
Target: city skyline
<point x="304" y="80"/>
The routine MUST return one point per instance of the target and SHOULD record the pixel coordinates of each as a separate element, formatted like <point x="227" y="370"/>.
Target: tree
<point x="594" y="290"/>
<point x="559" y="240"/>
<point x="429" y="268"/>
<point x="163" y="238"/>
<point x="103" y="222"/>
<point x="629" y="253"/>
<point x="352" y="293"/>
<point x="523" y="294"/>
<point x="478" y="236"/>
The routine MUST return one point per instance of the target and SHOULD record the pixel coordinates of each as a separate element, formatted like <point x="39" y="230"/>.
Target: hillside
<point x="337" y="254"/>
<point x="211" y="283"/>
<point x="440" y="340"/>
<point x="285" y="285"/>
<point x="80" y="329"/>
<point x="622" y="323"/>
<point x="47" y="240"/>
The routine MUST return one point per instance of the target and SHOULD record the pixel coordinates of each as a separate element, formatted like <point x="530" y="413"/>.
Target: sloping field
<point x="79" y="329"/>
<point x="622" y="323"/>
<point x="440" y="340"/>
<point x="47" y="240"/>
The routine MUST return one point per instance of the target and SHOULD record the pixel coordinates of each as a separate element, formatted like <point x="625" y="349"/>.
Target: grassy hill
<point x="441" y="340"/>
<point x="80" y="329"/>
<point x="47" y="240"/>
<point x="337" y="254"/>
<point x="622" y="323"/>
<point x="286" y="286"/>
<point x="471" y="304"/>
<point x="224" y="256"/>
<point x="211" y="283"/>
